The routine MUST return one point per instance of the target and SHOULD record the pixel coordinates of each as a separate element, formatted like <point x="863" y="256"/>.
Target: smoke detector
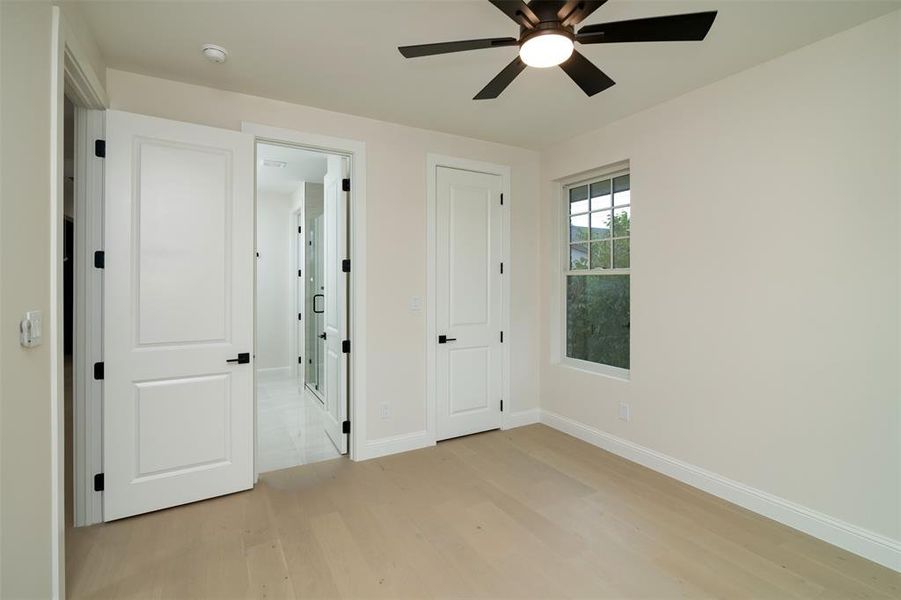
<point x="214" y="53"/>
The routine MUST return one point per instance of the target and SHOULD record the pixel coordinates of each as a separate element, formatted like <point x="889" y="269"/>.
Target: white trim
<point x="595" y="368"/>
<point x="81" y="84"/>
<point x="356" y="150"/>
<point x="395" y="444"/>
<point x="433" y="161"/>
<point x="521" y="418"/>
<point x="70" y="66"/>
<point x="87" y="427"/>
<point x="870" y="545"/>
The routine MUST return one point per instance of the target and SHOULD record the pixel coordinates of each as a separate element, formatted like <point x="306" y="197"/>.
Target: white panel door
<point x="335" y="245"/>
<point x="468" y="311"/>
<point x="178" y="306"/>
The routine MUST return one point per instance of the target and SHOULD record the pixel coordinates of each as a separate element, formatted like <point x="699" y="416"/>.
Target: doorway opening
<point x="301" y="374"/>
<point x="68" y="314"/>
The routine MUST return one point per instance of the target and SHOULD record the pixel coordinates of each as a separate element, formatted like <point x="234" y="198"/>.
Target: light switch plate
<point x="415" y="304"/>
<point x="30" y="329"/>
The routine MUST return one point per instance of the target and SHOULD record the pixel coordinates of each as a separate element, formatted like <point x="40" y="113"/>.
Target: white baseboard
<point x="521" y="418"/>
<point x="870" y="545"/>
<point x="394" y="444"/>
<point x="423" y="439"/>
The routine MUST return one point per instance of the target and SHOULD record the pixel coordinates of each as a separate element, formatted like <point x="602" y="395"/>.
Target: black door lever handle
<point x="243" y="358"/>
<point x="443" y="339"/>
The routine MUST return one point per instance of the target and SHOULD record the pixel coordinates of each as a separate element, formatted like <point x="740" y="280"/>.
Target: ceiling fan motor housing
<point x="545" y="28"/>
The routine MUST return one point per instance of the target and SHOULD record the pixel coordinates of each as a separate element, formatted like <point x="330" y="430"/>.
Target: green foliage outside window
<point x="598" y="306"/>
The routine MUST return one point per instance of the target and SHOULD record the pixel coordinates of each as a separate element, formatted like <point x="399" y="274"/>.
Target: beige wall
<point x="396" y="231"/>
<point x="275" y="304"/>
<point x="765" y="278"/>
<point x="25" y="478"/>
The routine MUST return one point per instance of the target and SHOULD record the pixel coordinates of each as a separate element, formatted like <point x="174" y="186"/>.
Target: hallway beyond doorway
<point x="290" y="425"/>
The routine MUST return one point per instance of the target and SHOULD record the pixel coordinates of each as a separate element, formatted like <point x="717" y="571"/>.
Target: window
<point x="596" y="285"/>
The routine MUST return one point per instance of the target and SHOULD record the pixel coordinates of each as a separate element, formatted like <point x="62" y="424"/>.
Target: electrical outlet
<point x="625" y="411"/>
<point x="384" y="411"/>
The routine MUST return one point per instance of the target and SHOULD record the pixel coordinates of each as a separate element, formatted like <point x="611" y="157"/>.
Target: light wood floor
<point x="529" y="512"/>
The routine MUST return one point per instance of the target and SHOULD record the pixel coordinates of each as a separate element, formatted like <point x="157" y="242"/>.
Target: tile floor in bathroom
<point x="290" y="428"/>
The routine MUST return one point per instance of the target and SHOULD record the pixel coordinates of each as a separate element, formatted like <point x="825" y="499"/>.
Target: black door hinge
<point x="299" y="316"/>
<point x="99" y="259"/>
<point x="345" y="265"/>
<point x="300" y="360"/>
<point x="502" y="268"/>
<point x="98" y="371"/>
<point x="502" y="406"/>
<point x="345" y="427"/>
<point x="502" y="337"/>
<point x="100" y="148"/>
<point x="299" y="229"/>
<point x="502" y="199"/>
<point x="345" y="185"/>
<point x="98" y="482"/>
<point x="345" y="346"/>
<point x="299" y="273"/>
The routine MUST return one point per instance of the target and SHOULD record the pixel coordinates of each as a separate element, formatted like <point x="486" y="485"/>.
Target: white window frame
<point x="563" y="245"/>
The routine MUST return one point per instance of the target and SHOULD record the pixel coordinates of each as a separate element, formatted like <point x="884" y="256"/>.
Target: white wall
<point x="395" y="232"/>
<point x="275" y="290"/>
<point x="765" y="278"/>
<point x="25" y="478"/>
<point x="26" y="510"/>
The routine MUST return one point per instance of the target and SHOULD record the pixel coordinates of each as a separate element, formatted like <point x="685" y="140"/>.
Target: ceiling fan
<point x="547" y="37"/>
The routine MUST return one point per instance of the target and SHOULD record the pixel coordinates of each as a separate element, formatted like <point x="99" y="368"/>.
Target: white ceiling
<point x="342" y="56"/>
<point x="301" y="165"/>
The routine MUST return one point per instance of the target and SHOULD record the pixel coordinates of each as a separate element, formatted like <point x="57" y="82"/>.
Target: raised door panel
<point x="182" y="208"/>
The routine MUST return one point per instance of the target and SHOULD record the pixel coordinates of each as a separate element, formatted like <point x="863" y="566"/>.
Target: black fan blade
<point x="587" y="76"/>
<point x="501" y="81"/>
<point x="576" y="11"/>
<point x="461" y="46"/>
<point x="517" y="10"/>
<point x="691" y="27"/>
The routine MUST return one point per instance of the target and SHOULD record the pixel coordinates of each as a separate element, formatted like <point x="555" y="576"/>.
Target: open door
<point x="178" y="314"/>
<point x="336" y="354"/>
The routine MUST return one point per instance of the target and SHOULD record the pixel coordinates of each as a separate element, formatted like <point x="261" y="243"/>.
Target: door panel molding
<point x="433" y="162"/>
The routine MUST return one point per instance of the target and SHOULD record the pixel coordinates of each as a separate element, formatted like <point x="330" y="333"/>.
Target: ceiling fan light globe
<point x="547" y="50"/>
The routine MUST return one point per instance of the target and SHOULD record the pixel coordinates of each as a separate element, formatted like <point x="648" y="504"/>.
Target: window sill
<point x="596" y="369"/>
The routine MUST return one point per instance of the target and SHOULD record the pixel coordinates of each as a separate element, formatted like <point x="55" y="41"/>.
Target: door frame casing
<point x="356" y="152"/>
<point x="70" y="70"/>
<point x="87" y="397"/>
<point x="433" y="161"/>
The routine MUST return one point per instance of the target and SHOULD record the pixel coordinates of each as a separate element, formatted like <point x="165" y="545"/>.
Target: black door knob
<point x="242" y="359"/>
<point x="443" y="339"/>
